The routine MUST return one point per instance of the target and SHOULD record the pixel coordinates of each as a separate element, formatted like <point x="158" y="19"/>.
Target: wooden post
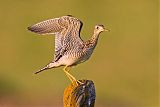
<point x="82" y="95"/>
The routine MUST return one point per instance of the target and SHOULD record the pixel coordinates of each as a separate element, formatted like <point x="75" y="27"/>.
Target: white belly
<point x="65" y="60"/>
<point x="73" y="60"/>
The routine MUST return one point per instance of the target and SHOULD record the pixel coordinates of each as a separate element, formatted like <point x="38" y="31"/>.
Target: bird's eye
<point x="97" y="27"/>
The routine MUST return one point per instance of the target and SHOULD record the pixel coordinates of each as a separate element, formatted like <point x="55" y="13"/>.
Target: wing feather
<point x="66" y="29"/>
<point x="50" y="26"/>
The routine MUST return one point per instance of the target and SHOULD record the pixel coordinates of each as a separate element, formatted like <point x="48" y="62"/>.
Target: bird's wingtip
<point x="70" y="15"/>
<point x="29" y="28"/>
<point x="33" y="29"/>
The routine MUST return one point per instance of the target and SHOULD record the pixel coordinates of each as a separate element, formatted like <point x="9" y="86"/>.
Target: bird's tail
<point x="48" y="66"/>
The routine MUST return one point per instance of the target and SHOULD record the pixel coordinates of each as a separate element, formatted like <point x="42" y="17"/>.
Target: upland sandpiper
<point x="70" y="49"/>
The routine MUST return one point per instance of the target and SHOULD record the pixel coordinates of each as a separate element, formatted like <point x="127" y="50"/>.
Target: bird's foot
<point x="79" y="82"/>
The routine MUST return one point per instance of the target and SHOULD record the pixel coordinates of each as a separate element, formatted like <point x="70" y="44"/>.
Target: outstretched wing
<point x="50" y="26"/>
<point x="65" y="28"/>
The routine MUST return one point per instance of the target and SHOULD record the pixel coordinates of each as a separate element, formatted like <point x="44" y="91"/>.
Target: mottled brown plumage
<point x="70" y="49"/>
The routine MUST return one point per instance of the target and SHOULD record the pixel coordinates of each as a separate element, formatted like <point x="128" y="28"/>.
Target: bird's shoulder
<point x="71" y="21"/>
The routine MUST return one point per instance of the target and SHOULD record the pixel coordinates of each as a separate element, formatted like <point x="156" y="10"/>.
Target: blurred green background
<point x="124" y="65"/>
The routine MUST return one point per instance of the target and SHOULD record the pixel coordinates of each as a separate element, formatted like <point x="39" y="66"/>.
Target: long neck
<point x="95" y="36"/>
<point x="93" y="41"/>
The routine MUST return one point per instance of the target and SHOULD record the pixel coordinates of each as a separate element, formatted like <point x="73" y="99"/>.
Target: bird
<point x="70" y="49"/>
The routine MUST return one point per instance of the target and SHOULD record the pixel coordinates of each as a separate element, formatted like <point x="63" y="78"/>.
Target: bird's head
<point x="99" y="29"/>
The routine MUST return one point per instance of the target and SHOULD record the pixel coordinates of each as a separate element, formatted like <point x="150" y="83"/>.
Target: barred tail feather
<point x="42" y="69"/>
<point x="48" y="66"/>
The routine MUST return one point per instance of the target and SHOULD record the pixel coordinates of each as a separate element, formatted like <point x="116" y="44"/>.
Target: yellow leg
<point x="72" y="78"/>
<point x="68" y="74"/>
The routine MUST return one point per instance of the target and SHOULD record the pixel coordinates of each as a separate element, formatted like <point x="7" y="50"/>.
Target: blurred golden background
<point x="124" y="65"/>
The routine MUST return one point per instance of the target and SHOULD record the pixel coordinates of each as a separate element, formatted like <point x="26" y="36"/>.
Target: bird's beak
<point x="108" y="30"/>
